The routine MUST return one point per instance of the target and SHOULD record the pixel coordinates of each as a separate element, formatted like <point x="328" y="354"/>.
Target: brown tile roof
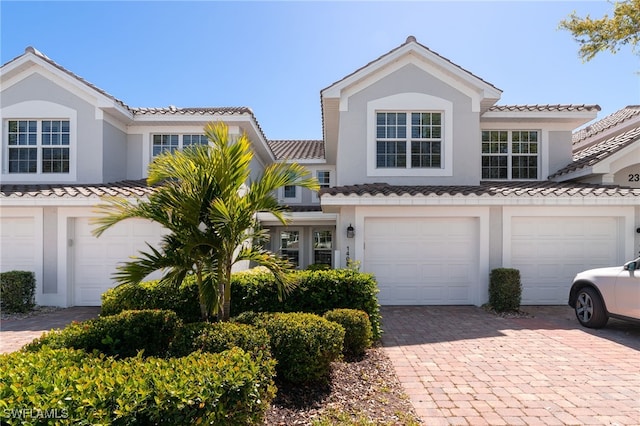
<point x="608" y="122"/>
<point x="544" y="108"/>
<point x="297" y="149"/>
<point x="523" y="189"/>
<point x="127" y="188"/>
<point x="410" y="39"/>
<point x="593" y="154"/>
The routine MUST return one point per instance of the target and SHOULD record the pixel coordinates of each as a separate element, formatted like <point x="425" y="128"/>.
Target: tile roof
<point x="51" y="62"/>
<point x="544" y="108"/>
<point x="491" y="189"/>
<point x="593" y="154"/>
<point x="608" y="122"/>
<point x="410" y="39"/>
<point x="297" y="149"/>
<point x="127" y="188"/>
<point x="172" y="110"/>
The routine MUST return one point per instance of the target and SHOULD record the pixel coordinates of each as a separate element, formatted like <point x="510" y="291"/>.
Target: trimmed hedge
<point x="71" y="387"/>
<point x="124" y="334"/>
<point x="218" y="337"/>
<point x="303" y="344"/>
<point x="358" y="335"/>
<point x="316" y="292"/>
<point x="182" y="299"/>
<point x="505" y="289"/>
<point x="17" y="291"/>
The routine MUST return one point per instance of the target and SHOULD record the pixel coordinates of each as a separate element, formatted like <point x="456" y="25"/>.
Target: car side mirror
<point x="630" y="266"/>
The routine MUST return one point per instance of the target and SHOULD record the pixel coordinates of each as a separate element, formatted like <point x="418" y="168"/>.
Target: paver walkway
<point x="16" y="333"/>
<point x="461" y="365"/>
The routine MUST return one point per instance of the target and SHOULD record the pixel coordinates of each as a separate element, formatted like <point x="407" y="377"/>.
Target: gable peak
<point x="411" y="39"/>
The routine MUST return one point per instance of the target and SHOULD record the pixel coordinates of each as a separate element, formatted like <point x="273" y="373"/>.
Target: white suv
<point x="598" y="294"/>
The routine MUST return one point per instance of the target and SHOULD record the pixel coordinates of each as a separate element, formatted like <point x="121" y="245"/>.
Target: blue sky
<point x="275" y="57"/>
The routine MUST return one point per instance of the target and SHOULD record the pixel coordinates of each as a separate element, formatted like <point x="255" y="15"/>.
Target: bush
<point x="76" y="388"/>
<point x="304" y="345"/>
<point x="505" y="290"/>
<point x="318" y="267"/>
<point x="218" y="337"/>
<point x="316" y="292"/>
<point x="121" y="335"/>
<point x="17" y="290"/>
<point x="182" y="299"/>
<point x="358" y="335"/>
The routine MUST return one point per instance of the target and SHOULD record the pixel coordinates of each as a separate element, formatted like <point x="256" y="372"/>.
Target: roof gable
<point x="413" y="52"/>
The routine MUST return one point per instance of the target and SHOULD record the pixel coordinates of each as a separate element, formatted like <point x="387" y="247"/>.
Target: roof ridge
<point x="610" y="121"/>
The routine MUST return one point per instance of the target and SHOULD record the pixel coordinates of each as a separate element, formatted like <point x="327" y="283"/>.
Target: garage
<point x="423" y="261"/>
<point x="549" y="251"/>
<point x="18" y="244"/>
<point x="95" y="259"/>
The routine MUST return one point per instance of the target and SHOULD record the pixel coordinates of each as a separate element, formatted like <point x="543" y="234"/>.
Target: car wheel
<point x="590" y="309"/>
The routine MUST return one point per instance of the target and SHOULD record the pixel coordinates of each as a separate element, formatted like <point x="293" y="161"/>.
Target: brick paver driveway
<point x="462" y="365"/>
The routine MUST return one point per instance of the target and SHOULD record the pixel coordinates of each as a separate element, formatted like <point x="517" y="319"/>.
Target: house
<point x="426" y="180"/>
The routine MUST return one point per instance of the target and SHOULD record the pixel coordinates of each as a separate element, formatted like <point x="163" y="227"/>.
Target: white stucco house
<point x="426" y="180"/>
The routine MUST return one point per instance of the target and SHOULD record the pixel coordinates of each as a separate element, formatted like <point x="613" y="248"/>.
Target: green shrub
<point x="123" y="334"/>
<point x="17" y="290"/>
<point x="304" y="345"/>
<point x="505" y="290"/>
<point x="231" y="388"/>
<point x="318" y="267"/>
<point x="316" y="292"/>
<point x="182" y="299"/>
<point x="358" y="335"/>
<point x="218" y="337"/>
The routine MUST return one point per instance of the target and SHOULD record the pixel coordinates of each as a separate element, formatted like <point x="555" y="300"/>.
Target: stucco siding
<point x="559" y="151"/>
<point x="115" y="153"/>
<point x="134" y="157"/>
<point x="36" y="90"/>
<point x="352" y="145"/>
<point x="50" y="250"/>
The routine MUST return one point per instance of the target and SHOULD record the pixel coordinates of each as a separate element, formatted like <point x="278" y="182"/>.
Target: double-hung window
<point x="322" y="246"/>
<point x="290" y="246"/>
<point x="510" y="154"/>
<point x="409" y="140"/>
<point x="172" y="143"/>
<point x="38" y="146"/>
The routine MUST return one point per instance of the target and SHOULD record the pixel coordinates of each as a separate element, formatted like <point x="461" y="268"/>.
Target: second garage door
<point x="423" y="261"/>
<point x="549" y="252"/>
<point x="96" y="259"/>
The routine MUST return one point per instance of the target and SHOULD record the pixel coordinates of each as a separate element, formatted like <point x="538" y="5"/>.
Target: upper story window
<point x="38" y="146"/>
<point x="324" y="178"/>
<point x="410" y="135"/>
<point x="171" y="143"/>
<point x="290" y="191"/>
<point x="510" y="154"/>
<point x="408" y="140"/>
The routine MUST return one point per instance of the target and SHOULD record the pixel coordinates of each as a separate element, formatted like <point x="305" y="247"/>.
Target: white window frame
<point x="180" y="136"/>
<point x="314" y="196"/>
<point x="39" y="111"/>
<point x="313" y="248"/>
<point x="510" y="154"/>
<point x="283" y="199"/>
<point x="408" y="103"/>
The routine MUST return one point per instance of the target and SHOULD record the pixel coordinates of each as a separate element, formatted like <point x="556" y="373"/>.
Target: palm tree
<point x="205" y="201"/>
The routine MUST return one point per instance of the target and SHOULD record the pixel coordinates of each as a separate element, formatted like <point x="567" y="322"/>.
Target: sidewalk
<point x="15" y="333"/>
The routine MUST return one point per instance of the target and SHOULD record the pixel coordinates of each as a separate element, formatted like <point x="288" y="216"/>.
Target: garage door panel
<point x="17" y="239"/>
<point x="549" y="251"/>
<point x="96" y="259"/>
<point x="426" y="261"/>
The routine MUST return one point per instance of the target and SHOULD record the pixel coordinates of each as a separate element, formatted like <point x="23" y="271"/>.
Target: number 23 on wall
<point x="634" y="177"/>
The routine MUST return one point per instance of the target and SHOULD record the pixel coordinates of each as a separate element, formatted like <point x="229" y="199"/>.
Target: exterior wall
<point x="50" y="252"/>
<point x="38" y="97"/>
<point x="629" y="176"/>
<point x="411" y="82"/>
<point x="134" y="157"/>
<point x="115" y="153"/>
<point x="559" y="154"/>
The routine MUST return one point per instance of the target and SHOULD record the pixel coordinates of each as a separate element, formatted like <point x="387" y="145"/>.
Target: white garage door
<point x="95" y="259"/>
<point x="423" y="261"/>
<point x="17" y="244"/>
<point x="549" y="252"/>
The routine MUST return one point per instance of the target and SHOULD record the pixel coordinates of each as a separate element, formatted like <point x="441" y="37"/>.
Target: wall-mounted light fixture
<point x="350" y="231"/>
